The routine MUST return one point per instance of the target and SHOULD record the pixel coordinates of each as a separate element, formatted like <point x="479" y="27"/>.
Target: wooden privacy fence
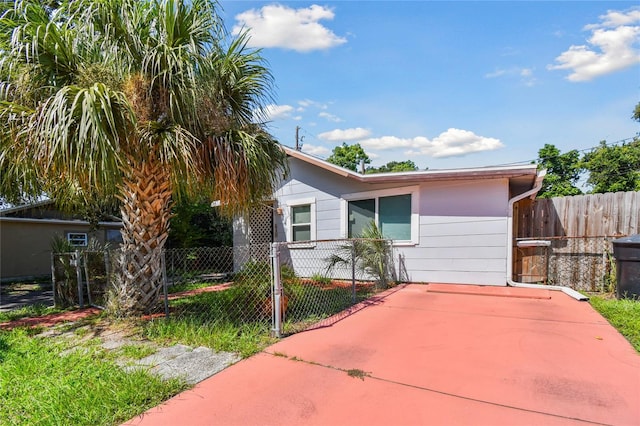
<point x="579" y="231"/>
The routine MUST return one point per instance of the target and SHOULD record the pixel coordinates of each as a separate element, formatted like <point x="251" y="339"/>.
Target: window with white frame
<point x="395" y="212"/>
<point x="77" y="239"/>
<point x="302" y="220"/>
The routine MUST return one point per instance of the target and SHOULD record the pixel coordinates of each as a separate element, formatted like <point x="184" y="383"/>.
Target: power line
<point x="608" y="144"/>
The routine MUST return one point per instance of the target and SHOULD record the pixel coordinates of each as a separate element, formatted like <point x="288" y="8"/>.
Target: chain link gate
<point x="316" y="282"/>
<point x="81" y="277"/>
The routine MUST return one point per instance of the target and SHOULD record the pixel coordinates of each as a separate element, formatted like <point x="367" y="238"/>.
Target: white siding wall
<point x="307" y="181"/>
<point x="463" y="233"/>
<point x="463" y="225"/>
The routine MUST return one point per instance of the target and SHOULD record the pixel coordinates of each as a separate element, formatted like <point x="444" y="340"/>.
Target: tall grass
<point x="245" y="339"/>
<point x="49" y="382"/>
<point x="28" y="311"/>
<point x="623" y="314"/>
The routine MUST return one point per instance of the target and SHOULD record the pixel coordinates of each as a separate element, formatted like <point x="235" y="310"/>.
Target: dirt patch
<point x="208" y="289"/>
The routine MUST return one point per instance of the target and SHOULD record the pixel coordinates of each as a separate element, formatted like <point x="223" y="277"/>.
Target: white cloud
<point x="495" y="74"/>
<point x="525" y="74"/>
<point x="287" y="28"/>
<point x="343" y="135"/>
<point x="614" y="18"/>
<point x="319" y="151"/>
<point x="308" y="103"/>
<point x="276" y="112"/>
<point x="612" y="47"/>
<point x="453" y="142"/>
<point x="392" y="142"/>
<point x="330" y="117"/>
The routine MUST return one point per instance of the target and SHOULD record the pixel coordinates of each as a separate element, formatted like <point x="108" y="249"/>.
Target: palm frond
<point x="241" y="167"/>
<point x="241" y="82"/>
<point x="78" y="133"/>
<point x="175" y="146"/>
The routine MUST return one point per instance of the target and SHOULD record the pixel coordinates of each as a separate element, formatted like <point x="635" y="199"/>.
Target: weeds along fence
<point x="299" y="285"/>
<point x="582" y="263"/>
<point x="291" y="288"/>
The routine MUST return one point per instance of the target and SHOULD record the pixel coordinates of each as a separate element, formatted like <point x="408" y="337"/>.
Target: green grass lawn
<point x="74" y="381"/>
<point x="47" y="381"/>
<point x="623" y="314"/>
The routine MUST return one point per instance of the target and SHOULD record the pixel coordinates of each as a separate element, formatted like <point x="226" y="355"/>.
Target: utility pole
<point x="297" y="139"/>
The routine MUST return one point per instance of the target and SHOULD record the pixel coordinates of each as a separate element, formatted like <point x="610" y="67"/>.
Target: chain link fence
<point x="219" y="286"/>
<point x="281" y="288"/>
<point x="581" y="263"/>
<point x="288" y="287"/>
<point x="299" y="285"/>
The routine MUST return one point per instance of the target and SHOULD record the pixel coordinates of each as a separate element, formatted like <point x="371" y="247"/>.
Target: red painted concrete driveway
<point x="431" y="355"/>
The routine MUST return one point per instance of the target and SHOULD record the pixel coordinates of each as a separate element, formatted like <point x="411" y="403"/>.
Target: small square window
<point x="77" y="239"/>
<point x="301" y="218"/>
<point x="301" y="223"/>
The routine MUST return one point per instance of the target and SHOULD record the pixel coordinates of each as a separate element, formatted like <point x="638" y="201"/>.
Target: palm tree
<point x="144" y="101"/>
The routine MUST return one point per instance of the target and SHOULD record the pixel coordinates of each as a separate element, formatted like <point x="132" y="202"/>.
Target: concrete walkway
<point x="435" y="354"/>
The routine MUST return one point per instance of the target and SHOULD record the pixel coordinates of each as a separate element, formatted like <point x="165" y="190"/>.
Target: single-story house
<point x="26" y="233"/>
<point x="448" y="226"/>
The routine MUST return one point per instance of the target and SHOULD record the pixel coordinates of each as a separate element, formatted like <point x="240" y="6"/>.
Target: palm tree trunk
<point x="146" y="201"/>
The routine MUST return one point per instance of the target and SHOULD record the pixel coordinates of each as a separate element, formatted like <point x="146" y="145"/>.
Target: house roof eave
<point x="22" y="207"/>
<point x="528" y="171"/>
<point x="59" y="221"/>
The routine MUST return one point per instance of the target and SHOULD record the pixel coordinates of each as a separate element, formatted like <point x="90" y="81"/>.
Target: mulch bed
<point x="209" y="289"/>
<point x="51" y="319"/>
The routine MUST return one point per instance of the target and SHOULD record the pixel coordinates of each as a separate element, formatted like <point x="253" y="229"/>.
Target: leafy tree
<point x="614" y="168"/>
<point x="394" y="166"/>
<point x="135" y="101"/>
<point x="349" y="156"/>
<point x="197" y="224"/>
<point x="636" y="112"/>
<point x="563" y="172"/>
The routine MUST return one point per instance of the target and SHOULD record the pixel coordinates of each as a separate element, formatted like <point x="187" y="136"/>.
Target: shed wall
<point x="25" y="247"/>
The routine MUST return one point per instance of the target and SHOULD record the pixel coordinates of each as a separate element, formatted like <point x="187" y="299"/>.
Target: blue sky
<point x="448" y="84"/>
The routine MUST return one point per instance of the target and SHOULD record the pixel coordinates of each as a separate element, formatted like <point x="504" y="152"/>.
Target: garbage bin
<point x="627" y="253"/>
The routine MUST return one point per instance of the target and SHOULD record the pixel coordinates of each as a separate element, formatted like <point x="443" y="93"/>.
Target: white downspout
<point x="569" y="291"/>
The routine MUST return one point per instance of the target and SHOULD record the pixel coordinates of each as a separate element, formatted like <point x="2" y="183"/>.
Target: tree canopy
<point x="608" y="168"/>
<point x="613" y="168"/>
<point x="353" y="156"/>
<point x="563" y="172"/>
<point x="394" y="166"/>
<point x="349" y="156"/>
